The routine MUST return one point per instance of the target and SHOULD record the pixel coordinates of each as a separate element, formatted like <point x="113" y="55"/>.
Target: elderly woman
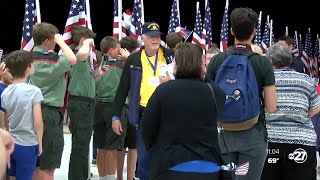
<point x="180" y="122"/>
<point x="291" y="135"/>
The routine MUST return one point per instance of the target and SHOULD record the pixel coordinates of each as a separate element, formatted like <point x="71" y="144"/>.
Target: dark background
<point x="298" y="15"/>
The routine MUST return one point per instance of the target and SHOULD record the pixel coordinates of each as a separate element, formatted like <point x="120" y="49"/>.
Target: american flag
<point x="307" y="52"/>
<point x="136" y="25"/>
<point x="196" y="38"/>
<point x="224" y="29"/>
<point x="316" y="57"/>
<point x="257" y="39"/>
<point x="78" y="16"/>
<point x="242" y="169"/>
<point x="119" y="29"/>
<point x="300" y="45"/>
<point x="295" y="50"/>
<point x="207" y="28"/>
<point x="185" y="33"/>
<point x="174" y="23"/>
<point x="265" y="43"/>
<point x="30" y="19"/>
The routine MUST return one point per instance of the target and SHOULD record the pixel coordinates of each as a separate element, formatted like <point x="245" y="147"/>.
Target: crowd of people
<point x="181" y="113"/>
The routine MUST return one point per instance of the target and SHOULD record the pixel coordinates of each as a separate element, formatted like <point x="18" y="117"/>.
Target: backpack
<point x="237" y="79"/>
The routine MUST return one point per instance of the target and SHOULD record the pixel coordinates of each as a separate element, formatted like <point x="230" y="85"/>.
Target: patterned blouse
<point x="290" y="122"/>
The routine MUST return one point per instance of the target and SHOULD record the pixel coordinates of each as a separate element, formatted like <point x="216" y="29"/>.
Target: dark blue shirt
<point x="2" y="87"/>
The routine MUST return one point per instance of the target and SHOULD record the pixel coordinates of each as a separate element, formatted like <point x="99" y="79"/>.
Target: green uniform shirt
<point x="50" y="78"/>
<point x="82" y="82"/>
<point x="107" y="85"/>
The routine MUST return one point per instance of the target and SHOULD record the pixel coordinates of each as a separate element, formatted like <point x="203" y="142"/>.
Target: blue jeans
<point x="23" y="161"/>
<point x="143" y="158"/>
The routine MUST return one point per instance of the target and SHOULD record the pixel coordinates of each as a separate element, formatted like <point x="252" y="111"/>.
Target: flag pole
<point x="178" y="11"/>
<point x="88" y="18"/>
<point x="142" y="13"/>
<point x="297" y="41"/>
<point x="38" y="11"/>
<point x="120" y="18"/>
<point x="271" y="31"/>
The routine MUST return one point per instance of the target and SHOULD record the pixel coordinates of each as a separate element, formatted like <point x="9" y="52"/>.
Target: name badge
<point x="163" y="69"/>
<point x="154" y="81"/>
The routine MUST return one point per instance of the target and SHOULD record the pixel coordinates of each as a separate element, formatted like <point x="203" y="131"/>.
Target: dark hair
<point x="79" y="32"/>
<point x="42" y="32"/>
<point x="243" y="21"/>
<point x="172" y="39"/>
<point x="288" y="39"/>
<point x="17" y="62"/>
<point x="129" y="43"/>
<point x="188" y="59"/>
<point x="279" y="55"/>
<point x="107" y="43"/>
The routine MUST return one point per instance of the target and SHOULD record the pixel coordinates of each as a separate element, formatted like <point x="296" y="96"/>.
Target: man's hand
<point x="164" y="79"/>
<point x="124" y="53"/>
<point x="117" y="127"/>
<point x="2" y="68"/>
<point x="102" y="71"/>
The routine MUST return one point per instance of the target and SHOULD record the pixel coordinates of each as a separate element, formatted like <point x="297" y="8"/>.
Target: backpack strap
<point x="247" y="53"/>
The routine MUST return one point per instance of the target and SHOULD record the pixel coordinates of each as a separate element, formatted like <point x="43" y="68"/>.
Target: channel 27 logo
<point x="299" y="155"/>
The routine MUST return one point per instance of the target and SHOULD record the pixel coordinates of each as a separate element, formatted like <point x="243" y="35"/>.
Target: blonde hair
<point x="256" y="49"/>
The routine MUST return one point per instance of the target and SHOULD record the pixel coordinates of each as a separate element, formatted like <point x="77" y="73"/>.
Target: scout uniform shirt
<point x="49" y="76"/>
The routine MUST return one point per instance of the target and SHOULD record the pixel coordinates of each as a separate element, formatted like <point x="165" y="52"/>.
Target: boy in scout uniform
<point x="104" y="138"/>
<point x="81" y="102"/>
<point x="49" y="76"/>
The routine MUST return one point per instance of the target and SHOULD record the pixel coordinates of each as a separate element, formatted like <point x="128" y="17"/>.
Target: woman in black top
<point x="180" y="122"/>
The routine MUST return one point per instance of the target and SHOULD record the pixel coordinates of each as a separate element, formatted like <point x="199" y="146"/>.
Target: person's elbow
<point x="82" y="56"/>
<point x="72" y="60"/>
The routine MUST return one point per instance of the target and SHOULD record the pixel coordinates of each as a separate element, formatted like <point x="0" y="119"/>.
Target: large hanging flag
<point x="119" y="28"/>
<point x="137" y="20"/>
<point x="196" y="38"/>
<point x="224" y="29"/>
<point x="174" y="22"/>
<point x="31" y="17"/>
<point x="257" y="39"/>
<point x="207" y="28"/>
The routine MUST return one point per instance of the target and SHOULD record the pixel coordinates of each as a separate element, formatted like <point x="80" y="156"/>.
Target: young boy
<point x="81" y="102"/>
<point x="22" y="102"/>
<point x="49" y="76"/>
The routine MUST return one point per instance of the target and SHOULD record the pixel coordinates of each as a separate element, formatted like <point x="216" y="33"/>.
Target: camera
<point x="107" y="61"/>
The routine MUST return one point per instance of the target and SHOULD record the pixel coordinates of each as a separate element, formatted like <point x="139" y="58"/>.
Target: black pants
<point x="81" y="111"/>
<point x="290" y="162"/>
<point x="175" y="175"/>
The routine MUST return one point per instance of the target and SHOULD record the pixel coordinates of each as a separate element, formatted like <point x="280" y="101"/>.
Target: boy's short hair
<point x="79" y="32"/>
<point x="243" y="21"/>
<point x="129" y="43"/>
<point x="43" y="31"/>
<point x="17" y="62"/>
<point x="172" y="39"/>
<point x="288" y="39"/>
<point x="107" y="43"/>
